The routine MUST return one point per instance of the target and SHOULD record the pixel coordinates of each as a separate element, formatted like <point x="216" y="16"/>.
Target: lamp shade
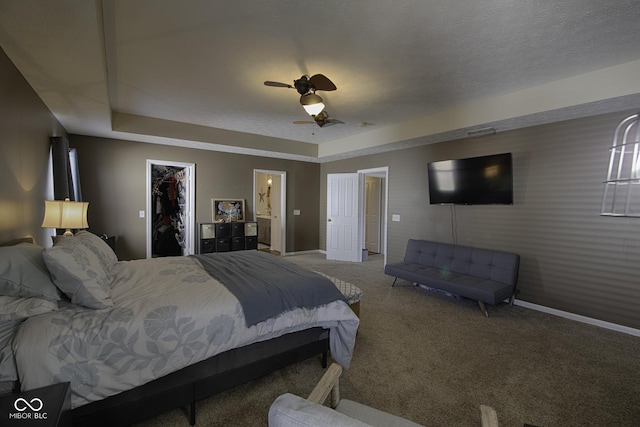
<point x="312" y="103"/>
<point x="65" y="214"/>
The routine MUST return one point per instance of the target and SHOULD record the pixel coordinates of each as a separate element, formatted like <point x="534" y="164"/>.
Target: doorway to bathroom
<point x="269" y="195"/>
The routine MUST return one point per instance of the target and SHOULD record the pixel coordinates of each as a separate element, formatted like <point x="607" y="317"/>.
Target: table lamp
<point x="65" y="214"/>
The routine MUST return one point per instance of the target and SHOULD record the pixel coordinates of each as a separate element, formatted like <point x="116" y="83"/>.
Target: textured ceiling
<point x="408" y="71"/>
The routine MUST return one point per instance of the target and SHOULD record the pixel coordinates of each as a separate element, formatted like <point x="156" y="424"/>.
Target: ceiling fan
<point x="321" y="119"/>
<point x="307" y="87"/>
<point x="306" y="84"/>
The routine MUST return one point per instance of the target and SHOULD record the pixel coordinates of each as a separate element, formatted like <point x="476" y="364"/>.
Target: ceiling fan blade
<point x="329" y="122"/>
<point x="277" y="84"/>
<point x="320" y="82"/>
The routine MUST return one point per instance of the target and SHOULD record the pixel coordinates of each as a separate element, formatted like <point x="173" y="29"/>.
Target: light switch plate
<point x="296" y="211"/>
<point x="395" y="218"/>
<point x="141" y="214"/>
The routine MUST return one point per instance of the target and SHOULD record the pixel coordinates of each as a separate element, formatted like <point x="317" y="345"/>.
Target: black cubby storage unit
<point x="227" y="236"/>
<point x="251" y="235"/>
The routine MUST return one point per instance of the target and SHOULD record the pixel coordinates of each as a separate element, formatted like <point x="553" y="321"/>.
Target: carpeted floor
<point x="435" y="359"/>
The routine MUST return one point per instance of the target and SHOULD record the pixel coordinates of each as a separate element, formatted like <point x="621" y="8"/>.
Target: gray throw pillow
<point x="7" y="362"/>
<point x="23" y="273"/>
<point x="16" y="308"/>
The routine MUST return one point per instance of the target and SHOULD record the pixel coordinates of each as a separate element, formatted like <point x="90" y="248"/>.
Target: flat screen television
<point x="486" y="180"/>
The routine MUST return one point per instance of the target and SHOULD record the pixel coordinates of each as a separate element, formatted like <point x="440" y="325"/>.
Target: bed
<point x="137" y="338"/>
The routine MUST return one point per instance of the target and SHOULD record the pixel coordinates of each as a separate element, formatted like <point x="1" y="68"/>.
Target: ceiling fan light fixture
<point x="312" y="103"/>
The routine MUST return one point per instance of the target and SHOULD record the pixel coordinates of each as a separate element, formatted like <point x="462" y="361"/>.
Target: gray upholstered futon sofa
<point x="484" y="275"/>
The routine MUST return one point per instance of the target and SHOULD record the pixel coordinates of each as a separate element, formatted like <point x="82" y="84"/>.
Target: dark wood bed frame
<point x="185" y="387"/>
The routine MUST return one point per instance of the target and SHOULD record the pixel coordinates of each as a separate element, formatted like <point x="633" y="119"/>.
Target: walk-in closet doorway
<point x="170" y="209"/>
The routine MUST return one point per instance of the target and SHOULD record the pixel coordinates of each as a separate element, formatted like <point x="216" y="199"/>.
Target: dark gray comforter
<point x="267" y="286"/>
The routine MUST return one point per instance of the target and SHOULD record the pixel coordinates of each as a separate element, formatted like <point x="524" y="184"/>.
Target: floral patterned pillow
<point x="99" y="247"/>
<point x="79" y="272"/>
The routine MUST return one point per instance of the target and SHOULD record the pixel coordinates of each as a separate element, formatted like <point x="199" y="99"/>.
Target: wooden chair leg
<point x="327" y="386"/>
<point x="488" y="416"/>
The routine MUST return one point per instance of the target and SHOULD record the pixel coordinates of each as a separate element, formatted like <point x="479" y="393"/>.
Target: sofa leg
<point x="483" y="308"/>
<point x="513" y="296"/>
<point x="394" y="282"/>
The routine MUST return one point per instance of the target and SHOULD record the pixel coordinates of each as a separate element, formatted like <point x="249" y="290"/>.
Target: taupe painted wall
<point x="573" y="259"/>
<point x="113" y="178"/>
<point x="26" y="125"/>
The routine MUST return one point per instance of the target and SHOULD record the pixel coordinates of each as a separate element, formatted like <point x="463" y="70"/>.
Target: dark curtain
<point x="66" y="182"/>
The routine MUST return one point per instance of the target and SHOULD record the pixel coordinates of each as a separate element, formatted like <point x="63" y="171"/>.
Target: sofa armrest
<point x="290" y="410"/>
<point x="372" y="416"/>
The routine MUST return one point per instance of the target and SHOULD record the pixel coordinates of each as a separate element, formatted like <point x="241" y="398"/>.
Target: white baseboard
<point x="579" y="318"/>
<point x="312" y="251"/>
<point x="542" y="308"/>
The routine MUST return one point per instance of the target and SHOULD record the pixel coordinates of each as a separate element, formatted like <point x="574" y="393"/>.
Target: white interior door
<point x="276" y="214"/>
<point x="343" y="215"/>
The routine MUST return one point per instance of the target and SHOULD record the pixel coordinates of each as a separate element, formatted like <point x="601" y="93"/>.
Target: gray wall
<point x="573" y="259"/>
<point x="26" y="125"/>
<point x="113" y="178"/>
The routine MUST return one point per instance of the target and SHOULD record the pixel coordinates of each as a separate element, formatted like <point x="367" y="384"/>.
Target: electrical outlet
<point x="296" y="211"/>
<point x="395" y="218"/>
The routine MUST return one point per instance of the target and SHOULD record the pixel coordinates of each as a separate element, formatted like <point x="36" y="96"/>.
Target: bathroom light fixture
<point x="65" y="214"/>
<point x="312" y="103"/>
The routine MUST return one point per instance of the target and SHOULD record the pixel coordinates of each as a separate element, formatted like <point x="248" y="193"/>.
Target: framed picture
<point x="227" y="210"/>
